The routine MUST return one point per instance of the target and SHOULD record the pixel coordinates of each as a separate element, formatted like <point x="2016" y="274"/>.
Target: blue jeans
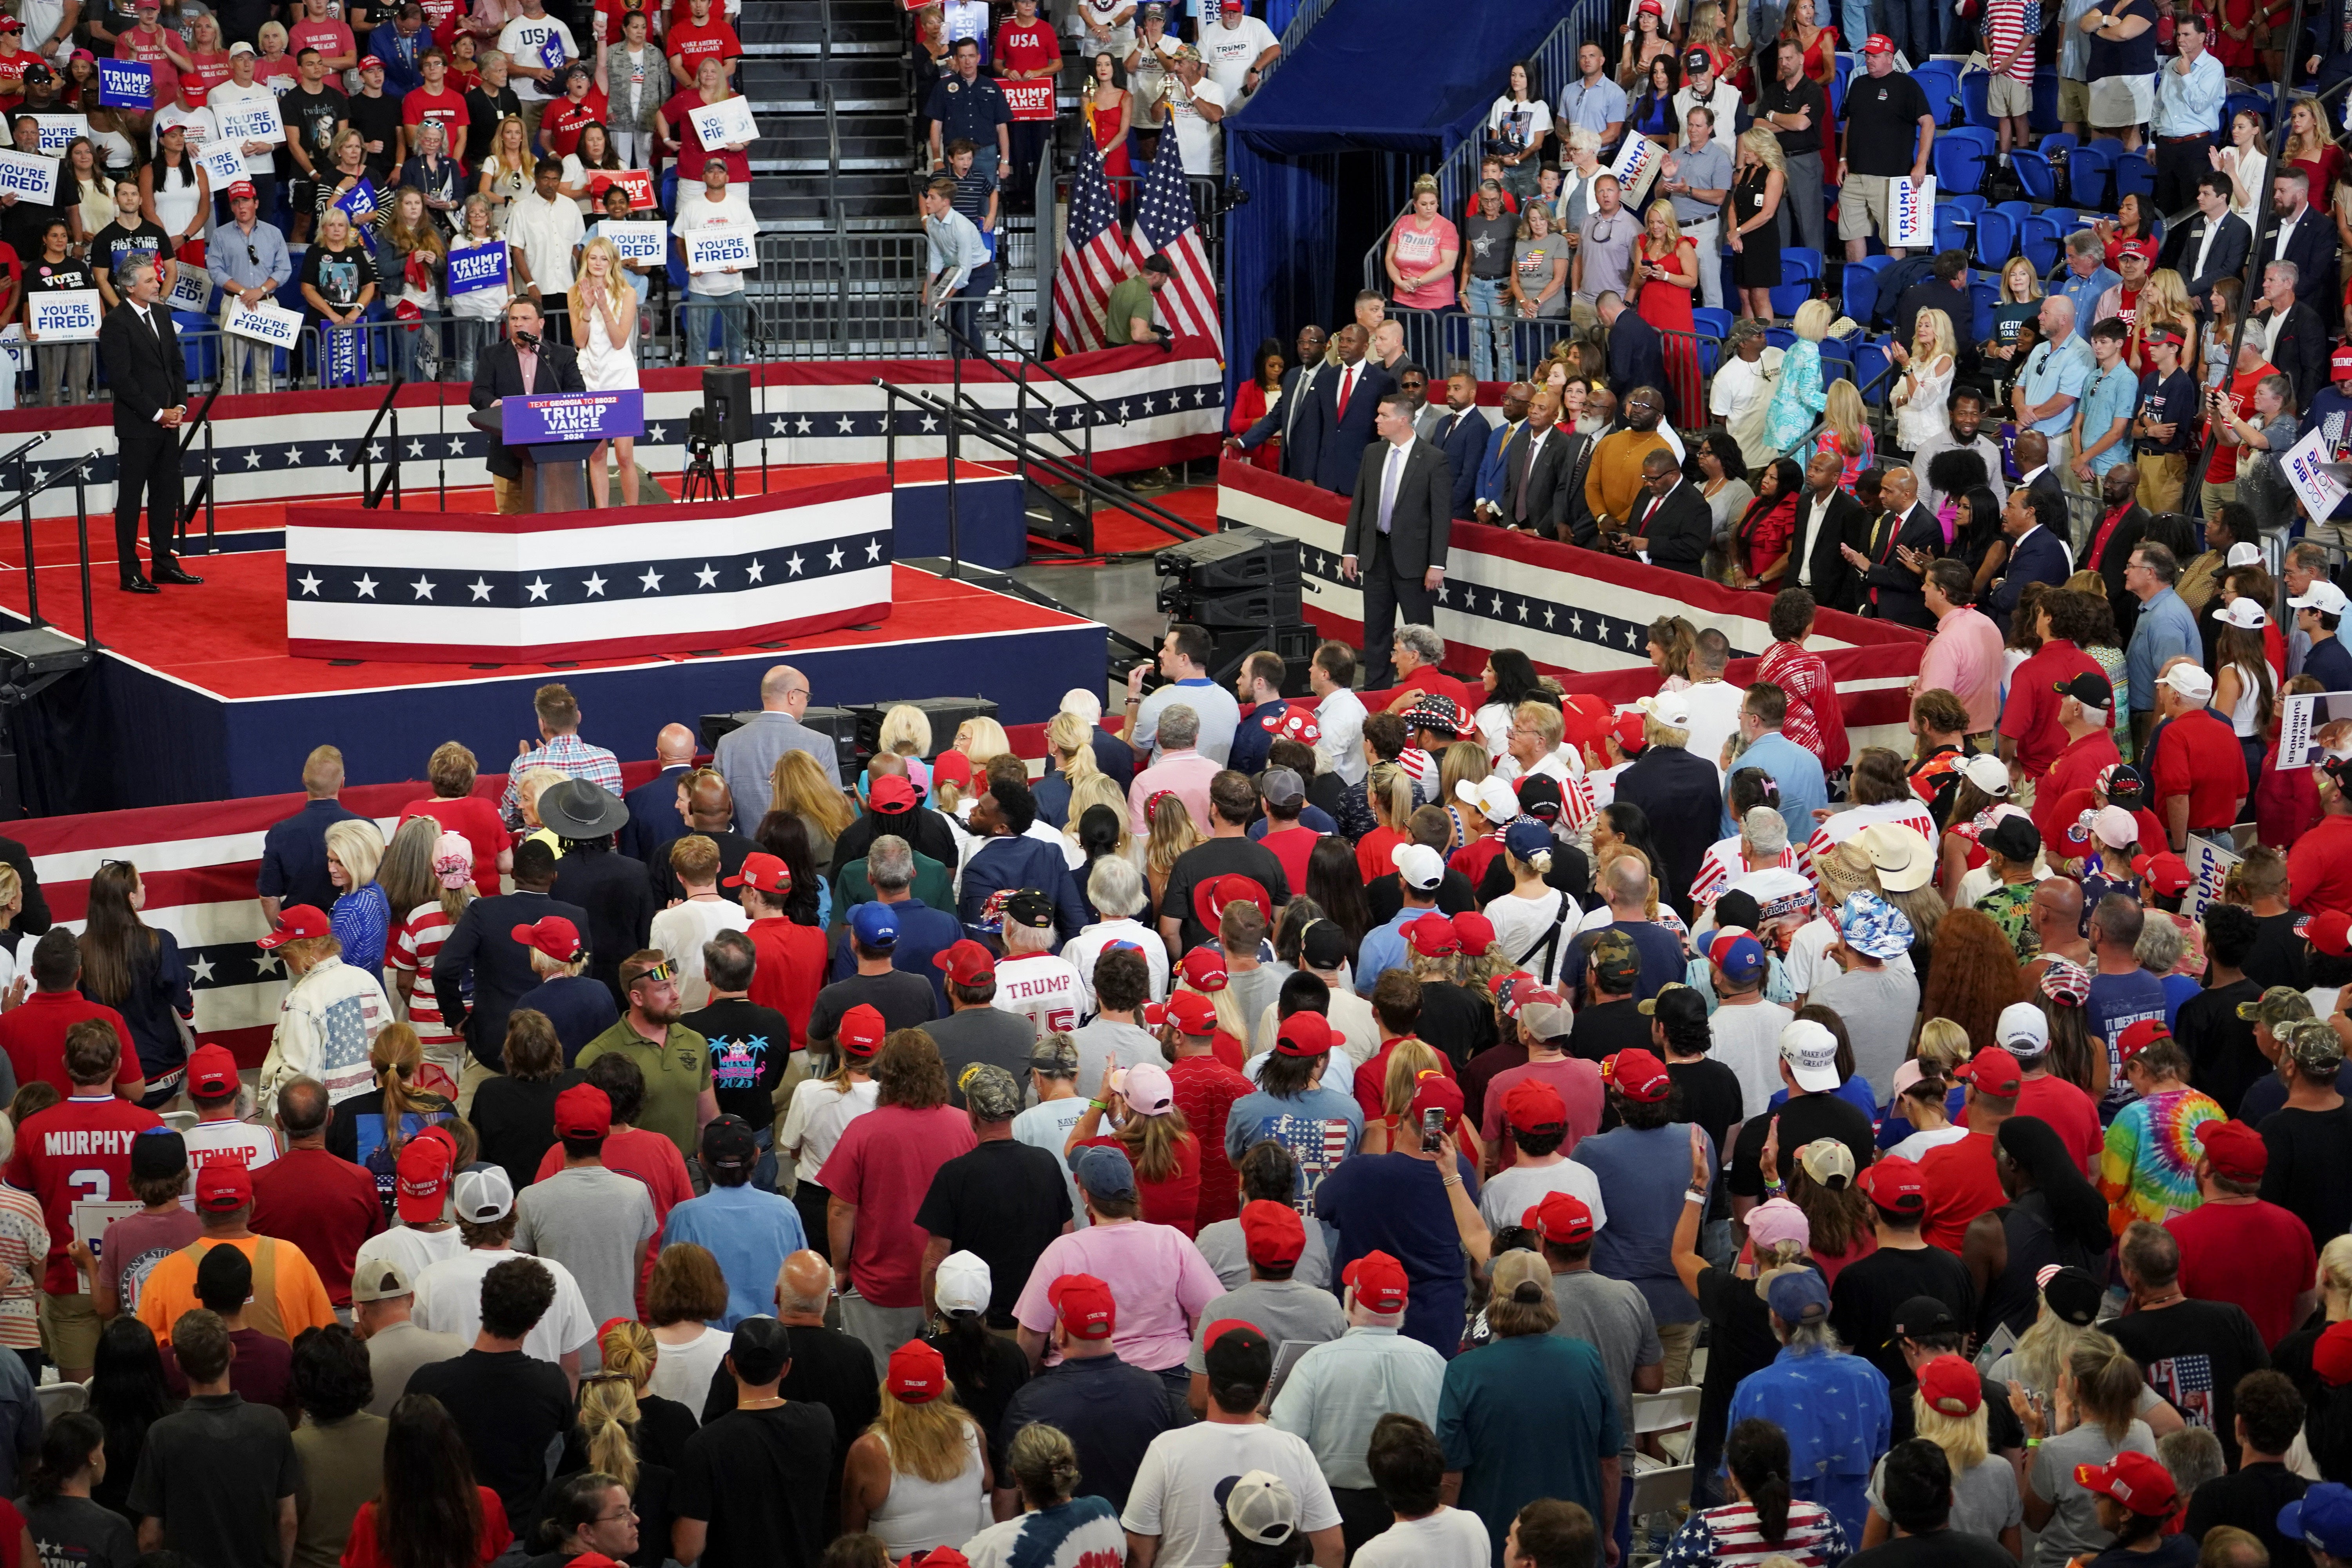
<point x="733" y="312"/>
<point x="407" y="345"/>
<point x="1491" y="355"/>
<point x="473" y="336"/>
<point x="1854" y="22"/>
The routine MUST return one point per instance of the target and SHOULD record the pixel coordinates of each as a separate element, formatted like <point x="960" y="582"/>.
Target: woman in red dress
<point x="1106" y="103"/>
<point x="2308" y="147"/>
<point x="1760" y="539"/>
<point x="1668" y="269"/>
<point x="1256" y="395"/>
<point x="1819" y="44"/>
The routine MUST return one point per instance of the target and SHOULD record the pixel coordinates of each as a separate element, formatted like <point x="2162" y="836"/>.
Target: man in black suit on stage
<point x="1339" y="418"/>
<point x="1399" y="524"/>
<point x="149" y="378"/>
<point x="524" y="363"/>
<point x="1674" y="526"/>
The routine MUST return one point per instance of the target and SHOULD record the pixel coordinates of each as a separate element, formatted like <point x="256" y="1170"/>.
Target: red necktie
<point x="1347" y="384"/>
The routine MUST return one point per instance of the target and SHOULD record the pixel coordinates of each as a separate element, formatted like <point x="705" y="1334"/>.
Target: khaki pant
<point x="1679" y="1340"/>
<point x="70" y="1330"/>
<point x="513" y="495"/>
<point x="533" y="110"/>
<point x="2163" y="478"/>
<point x="471" y="1078"/>
<point x="2217" y="494"/>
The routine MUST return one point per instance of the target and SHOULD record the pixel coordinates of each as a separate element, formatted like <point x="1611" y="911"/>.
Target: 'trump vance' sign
<point x="525" y="420"/>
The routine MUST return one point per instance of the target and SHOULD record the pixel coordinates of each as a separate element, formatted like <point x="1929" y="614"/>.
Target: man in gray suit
<point x="746" y="757"/>
<point x="1399" y="524"/>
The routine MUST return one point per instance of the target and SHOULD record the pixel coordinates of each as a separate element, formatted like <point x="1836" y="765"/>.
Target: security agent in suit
<point x="500" y="373"/>
<point x="2309" y="241"/>
<point x="1819" y="545"/>
<point x="1400" y="522"/>
<point x="1536" y="469"/>
<point x="1488" y="503"/>
<point x="653" y="823"/>
<point x="1637" y="355"/>
<point x="1674" y="526"/>
<point x="1897" y="577"/>
<point x="1340" y="414"/>
<point x="149" y="378"/>
<point x="1459" y="430"/>
<point x="482" y="948"/>
<point x="1282" y="419"/>
<point x="2225" y="257"/>
<point x="2035" y="521"/>
<point x="2117" y="485"/>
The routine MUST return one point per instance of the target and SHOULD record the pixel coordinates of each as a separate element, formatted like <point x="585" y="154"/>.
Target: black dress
<point x="1759" y="255"/>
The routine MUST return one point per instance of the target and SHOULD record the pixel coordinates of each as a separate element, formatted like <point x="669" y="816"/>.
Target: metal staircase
<point x="828" y="83"/>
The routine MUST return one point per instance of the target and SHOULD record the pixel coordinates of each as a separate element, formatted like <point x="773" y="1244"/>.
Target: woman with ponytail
<point x="1763" y="1511"/>
<point x="1387" y="791"/>
<point x="985" y="1370"/>
<point x="370" y="1129"/>
<point x="2088" y="1422"/>
<point x="56" y="1503"/>
<point x="1056" y="1524"/>
<point x="658" y="1427"/>
<point x="429" y="1512"/>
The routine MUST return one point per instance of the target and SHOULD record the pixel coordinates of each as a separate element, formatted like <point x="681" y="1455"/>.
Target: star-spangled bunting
<point x="607" y="582"/>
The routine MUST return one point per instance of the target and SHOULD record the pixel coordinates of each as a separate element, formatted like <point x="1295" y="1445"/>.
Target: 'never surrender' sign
<point x="527" y="420"/>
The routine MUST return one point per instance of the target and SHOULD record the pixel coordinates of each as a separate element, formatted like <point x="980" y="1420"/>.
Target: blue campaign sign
<point x="528" y="420"/>
<point x="477" y="268"/>
<point x="360" y="201"/>
<point x="126" y="84"/>
<point x="551" y="50"/>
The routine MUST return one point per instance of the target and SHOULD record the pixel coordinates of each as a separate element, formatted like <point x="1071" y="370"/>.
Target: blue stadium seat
<point x="1711" y="324"/>
<point x="2248" y="102"/>
<point x="1803" y="258"/>
<point x="1953" y="226"/>
<point x="1959" y="159"/>
<point x="2111" y="145"/>
<point x="2136" y="176"/>
<point x="1837" y="362"/>
<point x="1940" y="80"/>
<point x="1779" y="337"/>
<point x="1974" y="109"/>
<point x="2087" y="168"/>
<point x="2044" y="120"/>
<point x="1796" y="286"/>
<point x="1870" y="377"/>
<point x="1858" y="286"/>
<point x="2057" y="142"/>
<point x="1984" y="297"/>
<point x="1996" y="238"/>
<point x="2018" y="211"/>
<point x="2033" y="172"/>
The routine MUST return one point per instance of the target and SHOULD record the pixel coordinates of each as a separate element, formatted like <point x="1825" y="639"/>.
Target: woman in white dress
<point x="605" y="320"/>
<point x="1921" y="418"/>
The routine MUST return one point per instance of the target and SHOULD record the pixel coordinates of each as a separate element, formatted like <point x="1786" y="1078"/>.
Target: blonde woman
<point x="1921" y="419"/>
<point x="1422" y="247"/>
<point x="821" y="1110"/>
<point x="2163" y="297"/>
<point x="528" y="789"/>
<point x="2013" y="312"/>
<point x="1100" y="789"/>
<point x="362" y="917"/>
<point x="1799" y="398"/>
<point x="1069" y="757"/>
<point x="477" y="313"/>
<point x="2308" y="147"/>
<point x="1759" y="181"/>
<point x="1409" y="1061"/>
<point x="506" y="171"/>
<point x="604" y="327"/>
<point x="1537" y="281"/>
<point x="981" y="739"/>
<point x="621" y="1422"/>
<point x="408" y="1095"/>
<point x="2089" y="1421"/>
<point x="1948" y="1409"/>
<point x="1171" y="833"/>
<point x="1666" y="263"/>
<point x="907" y="732"/>
<point x="918" y="1477"/>
<point x="798" y="785"/>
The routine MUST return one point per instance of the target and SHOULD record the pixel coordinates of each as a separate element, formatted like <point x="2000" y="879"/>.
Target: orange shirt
<point x="289" y="1296"/>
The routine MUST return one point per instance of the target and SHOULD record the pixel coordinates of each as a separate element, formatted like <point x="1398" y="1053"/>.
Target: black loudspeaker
<point x="1237" y="558"/>
<point x="1266" y="605"/>
<point x="1295" y="643"/>
<point x="727" y="404"/>
<point x="946" y="715"/>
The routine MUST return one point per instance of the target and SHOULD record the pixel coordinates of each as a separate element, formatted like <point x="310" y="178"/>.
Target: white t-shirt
<point x="229" y="92"/>
<point x="1228" y="53"/>
<point x="1748" y="1041"/>
<point x="1520" y="923"/>
<point x="1450" y="1538"/>
<point x="1505" y="1199"/>
<point x="450" y="1301"/>
<point x="1083" y="950"/>
<point x="1197" y="138"/>
<point x="813" y="1124"/>
<point x="1047" y="1125"/>
<point x="683" y="1371"/>
<point x="1807" y="962"/>
<point x="247" y="1143"/>
<point x="523" y="38"/>
<point x="414" y="1250"/>
<point x="1715" y="716"/>
<point x="1914" y="1148"/>
<point x="1044" y="989"/>
<point x="682" y="928"/>
<point x="1175" y="1495"/>
<point x="697" y="212"/>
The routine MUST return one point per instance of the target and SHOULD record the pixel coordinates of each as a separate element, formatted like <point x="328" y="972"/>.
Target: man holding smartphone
<point x="1419" y="1206"/>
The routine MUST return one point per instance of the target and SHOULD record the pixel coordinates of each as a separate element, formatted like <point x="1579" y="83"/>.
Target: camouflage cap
<point x="989" y="1092"/>
<point x="2278" y="1006"/>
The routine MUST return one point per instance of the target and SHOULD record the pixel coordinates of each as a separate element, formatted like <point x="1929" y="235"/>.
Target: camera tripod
<point x="701" y="481"/>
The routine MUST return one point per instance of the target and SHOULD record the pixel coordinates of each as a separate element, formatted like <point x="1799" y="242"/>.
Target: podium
<point x="556" y="471"/>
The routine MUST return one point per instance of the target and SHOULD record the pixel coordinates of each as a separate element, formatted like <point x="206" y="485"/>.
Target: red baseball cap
<point x="1994" y="1072"/>
<point x="1437" y="1093"/>
<point x="1562" y="1218"/>
<point x="2330" y="931"/>
<point x="1379" y="1281"/>
<point x="917" y="1374"/>
<point x="1191" y="1013"/>
<point x="370" y="62"/>
<point x="423" y="1183"/>
<point x="1897" y="1185"/>
<point x="1209" y="900"/>
<point x="1273" y="1233"/>
<point x="1878" y="44"/>
<point x="584" y="1110"/>
<point x="1474" y="931"/>
<point x="2136" y="1039"/>
<point x="1638" y="1075"/>
<point x="1532" y="1105"/>
<point x="300" y="923"/>
<point x="1433" y="936"/>
<point x="2237" y="1151"/>
<point x="2143" y="248"/>
<point x="1204" y="968"/>
<point x="2166" y="873"/>
<point x="1628" y="729"/>
<point x="861" y="1030"/>
<point x="892" y="794"/>
<point x="550" y="934"/>
<point x="1304" y="1035"/>
<point x="241" y="188"/>
<point x="1951" y="1385"/>
<point x="951" y="767"/>
<point x="223" y="1185"/>
<point x="2139" y="1482"/>
<point x="1086" y="1305"/>
<point x="2331" y="1354"/>
<point x="966" y="962"/>
<point x="765" y="872"/>
<point x="212" y="1071"/>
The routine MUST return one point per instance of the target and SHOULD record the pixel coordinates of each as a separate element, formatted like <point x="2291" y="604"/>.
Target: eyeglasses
<point x="665" y="970"/>
<point x="253" y="256"/>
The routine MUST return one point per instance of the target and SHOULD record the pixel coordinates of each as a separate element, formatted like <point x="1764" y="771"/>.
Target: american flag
<point x="1164" y="223"/>
<point x="1095" y="256"/>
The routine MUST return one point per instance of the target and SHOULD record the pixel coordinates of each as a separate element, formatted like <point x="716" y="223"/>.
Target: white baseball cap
<point x="2022" y="1030"/>
<point x="2246" y="555"/>
<point x="483" y="1195"/>
<point x="1811" y="1051"/>
<point x="2244" y="614"/>
<point x="1668" y="707"/>
<point x="1988" y="773"/>
<point x="1494" y="797"/>
<point x="963" y="1283"/>
<point x="1418" y="865"/>
<point x="2192" y="683"/>
<point x="2322" y="596"/>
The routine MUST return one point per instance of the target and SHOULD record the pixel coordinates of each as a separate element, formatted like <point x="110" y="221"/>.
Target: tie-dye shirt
<point x="2148" y="1170"/>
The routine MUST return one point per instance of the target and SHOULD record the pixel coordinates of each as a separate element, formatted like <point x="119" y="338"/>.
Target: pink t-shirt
<point x="884" y="1164"/>
<point x="1157" y="1277"/>
<point x="331" y="39"/>
<point x="1965" y="661"/>
<point x="1578" y="1083"/>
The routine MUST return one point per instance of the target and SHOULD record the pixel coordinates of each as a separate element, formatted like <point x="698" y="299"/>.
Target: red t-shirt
<point x="1206" y="1088"/>
<point x="1175" y="1202"/>
<point x="1578" y="1083"/>
<point x="34" y="1034"/>
<point x="565" y="119"/>
<point x="2224" y="466"/>
<point x="616" y="15"/>
<point x="2030" y="715"/>
<point x="689" y="44"/>
<point x="323" y="1204"/>
<point x="447" y="106"/>
<point x="331" y="39"/>
<point x="1372" y="852"/>
<point x="477" y="818"/>
<point x="360" y="1547"/>
<point x="1962" y="1184"/>
<point x="12" y="70"/>
<point x="207" y="71"/>
<point x="1029" y="48"/>
<point x="2318" y="875"/>
<point x="678" y="113"/>
<point x="147" y="47"/>
<point x="2069" y="1113"/>
<point x="2202" y="759"/>
<point x="884" y="1164"/>
<point x="75" y="1152"/>
<point x="1473" y="858"/>
<point x="1372" y="1078"/>
<point x="2076" y="768"/>
<point x="790" y="972"/>
<point x="2257" y="1255"/>
<point x="1292" y="845"/>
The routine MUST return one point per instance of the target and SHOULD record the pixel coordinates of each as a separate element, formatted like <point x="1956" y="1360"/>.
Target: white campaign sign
<point x="715" y="249"/>
<point x="1637" y="163"/>
<point x="66" y="316"/>
<point x="223" y="159"/>
<point x="2299" y="718"/>
<point x="192" y="289"/>
<point x="58" y="131"/>
<point x="729" y="119"/>
<point x="268" y="322"/>
<point x="12" y="346"/>
<point x="637" y="241"/>
<point x="2209" y="867"/>
<point x="254" y="119"/>
<point x="31" y="178"/>
<point x="1911" y="213"/>
<point x="2320" y="493"/>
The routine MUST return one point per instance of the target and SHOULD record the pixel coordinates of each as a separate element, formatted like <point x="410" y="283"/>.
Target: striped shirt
<point x="567" y="755"/>
<point x="1843" y="825"/>
<point x="1728" y="1537"/>
<point x="1723" y="865"/>
<point x="24" y="1246"/>
<point x="412" y="952"/>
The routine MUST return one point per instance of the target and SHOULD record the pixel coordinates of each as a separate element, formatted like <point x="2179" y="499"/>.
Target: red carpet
<point x="1117" y="533"/>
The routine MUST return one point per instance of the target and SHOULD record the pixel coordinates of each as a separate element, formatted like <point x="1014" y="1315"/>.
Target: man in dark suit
<point x="2123" y="523"/>
<point x="482" y="947"/>
<point x="1282" y="419"/>
<point x="1674" y="526"/>
<point x="2032" y="453"/>
<point x="1676" y="790"/>
<point x="1897" y="576"/>
<point x="524" y="363"/>
<point x="2186" y="252"/>
<point x="1829" y="523"/>
<point x="1337" y="422"/>
<point x="2310" y="241"/>
<point x="1460" y="432"/>
<point x="1573" y="523"/>
<point x="654" y="823"/>
<point x="1535" y="475"/>
<point x="1400" y="522"/>
<point x="1637" y="355"/>
<point x="2299" y="345"/>
<point x="2035" y="521"/>
<point x="143" y="365"/>
<point x="1945" y="290"/>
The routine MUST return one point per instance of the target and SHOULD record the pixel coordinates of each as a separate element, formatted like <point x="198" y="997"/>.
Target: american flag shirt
<point x="325" y="1025"/>
<point x="1723" y="864"/>
<point x="1730" y="1537"/>
<point x="1815" y="722"/>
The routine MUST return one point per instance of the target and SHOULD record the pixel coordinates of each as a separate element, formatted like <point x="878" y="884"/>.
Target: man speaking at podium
<point x="524" y="363"/>
<point x="141" y="355"/>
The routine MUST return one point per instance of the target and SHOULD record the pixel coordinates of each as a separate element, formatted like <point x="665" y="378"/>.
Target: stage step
<point x="854" y="168"/>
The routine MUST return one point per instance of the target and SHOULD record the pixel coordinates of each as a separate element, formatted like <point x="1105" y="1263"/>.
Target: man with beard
<point x="1496" y="466"/>
<point x="675" y="1060"/>
<point x="1614" y="485"/>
